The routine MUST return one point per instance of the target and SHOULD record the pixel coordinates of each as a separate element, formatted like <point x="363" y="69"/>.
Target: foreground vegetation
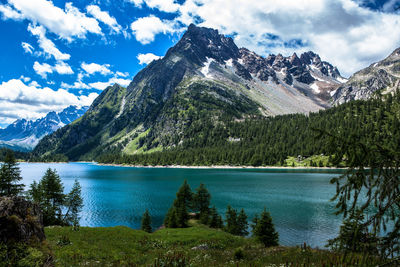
<point x="197" y="245"/>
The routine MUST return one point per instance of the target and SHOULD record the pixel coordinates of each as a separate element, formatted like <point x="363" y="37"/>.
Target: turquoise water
<point x="297" y="199"/>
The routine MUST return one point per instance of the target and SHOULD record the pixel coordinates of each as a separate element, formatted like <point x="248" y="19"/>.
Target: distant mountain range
<point x="205" y="80"/>
<point x="24" y="134"/>
<point x="382" y="76"/>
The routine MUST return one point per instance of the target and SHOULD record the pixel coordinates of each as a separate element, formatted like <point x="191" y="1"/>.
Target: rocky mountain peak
<point x="295" y="60"/>
<point x="199" y="43"/>
<point x="308" y="57"/>
<point x="383" y="76"/>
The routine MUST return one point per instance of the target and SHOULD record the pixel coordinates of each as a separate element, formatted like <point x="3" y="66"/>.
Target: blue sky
<point x="56" y="53"/>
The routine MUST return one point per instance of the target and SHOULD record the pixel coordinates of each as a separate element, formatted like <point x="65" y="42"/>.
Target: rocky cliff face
<point x="383" y="76"/>
<point x="205" y="79"/>
<point x="25" y="135"/>
<point x="20" y="220"/>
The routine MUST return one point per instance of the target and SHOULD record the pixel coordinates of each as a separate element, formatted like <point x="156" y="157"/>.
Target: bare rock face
<point x="382" y="76"/>
<point x="20" y="220"/>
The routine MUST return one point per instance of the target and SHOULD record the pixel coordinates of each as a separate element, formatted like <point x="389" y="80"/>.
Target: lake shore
<point x="195" y="166"/>
<point x="217" y="167"/>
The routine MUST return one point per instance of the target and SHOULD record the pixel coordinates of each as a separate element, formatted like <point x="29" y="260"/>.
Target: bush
<point x="239" y="254"/>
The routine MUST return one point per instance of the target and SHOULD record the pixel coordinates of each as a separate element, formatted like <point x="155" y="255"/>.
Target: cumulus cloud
<point x="110" y="82"/>
<point x="341" y="31"/>
<point x="147" y="58"/>
<point x="43" y="69"/>
<point x="93" y="68"/>
<point x="162" y="5"/>
<point x="122" y="74"/>
<point x="18" y="100"/>
<point x="25" y="79"/>
<point x="104" y="17"/>
<point x="63" y="68"/>
<point x="145" y="29"/>
<point x="118" y="77"/>
<point x="49" y="48"/>
<point x="76" y="85"/>
<point x="67" y="23"/>
<point x="28" y="48"/>
<point x="10" y="13"/>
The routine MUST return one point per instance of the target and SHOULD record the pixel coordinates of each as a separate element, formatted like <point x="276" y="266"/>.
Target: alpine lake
<point x="298" y="199"/>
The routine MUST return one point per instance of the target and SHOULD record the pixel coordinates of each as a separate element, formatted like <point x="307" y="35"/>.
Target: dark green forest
<point x="21" y="156"/>
<point x="269" y="141"/>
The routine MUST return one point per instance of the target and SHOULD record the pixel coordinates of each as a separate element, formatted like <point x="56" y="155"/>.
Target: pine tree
<point x="201" y="203"/>
<point x="182" y="215"/>
<point x="49" y="194"/>
<point x="354" y="236"/>
<point x="178" y="215"/>
<point x="242" y="223"/>
<point x="74" y="204"/>
<point x="10" y="174"/>
<point x="173" y="219"/>
<point x="184" y="195"/>
<point x="231" y="223"/>
<point x="215" y="219"/>
<point x="264" y="230"/>
<point x="146" y="222"/>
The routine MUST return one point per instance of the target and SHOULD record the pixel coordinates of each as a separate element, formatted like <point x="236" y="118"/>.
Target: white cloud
<point x="122" y="74"/>
<point x="9" y="13"/>
<point x="18" y="100"/>
<point x="162" y="5"/>
<point x="76" y="85"/>
<point x="34" y="84"/>
<point x="104" y="17"/>
<point x="43" y="69"/>
<point x="343" y="33"/>
<point x="49" y="48"/>
<point x="63" y="68"/>
<point x="145" y="29"/>
<point x="110" y="82"/>
<point x="146" y="58"/>
<point x="25" y="79"/>
<point x="93" y="68"/>
<point x="67" y="23"/>
<point x="28" y="48"/>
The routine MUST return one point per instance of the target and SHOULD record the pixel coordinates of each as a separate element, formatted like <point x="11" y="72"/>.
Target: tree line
<point x="197" y="205"/>
<point x="260" y="141"/>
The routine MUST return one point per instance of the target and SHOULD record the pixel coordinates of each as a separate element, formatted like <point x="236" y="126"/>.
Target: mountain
<point x="25" y="134"/>
<point x="205" y="80"/>
<point x="381" y="76"/>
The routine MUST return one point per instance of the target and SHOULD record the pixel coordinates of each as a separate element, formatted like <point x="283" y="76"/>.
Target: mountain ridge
<point x="382" y="76"/>
<point x="205" y="80"/>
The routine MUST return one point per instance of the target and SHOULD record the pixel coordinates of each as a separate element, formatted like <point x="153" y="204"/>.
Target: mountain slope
<point x="205" y="80"/>
<point x="25" y="135"/>
<point x="381" y="76"/>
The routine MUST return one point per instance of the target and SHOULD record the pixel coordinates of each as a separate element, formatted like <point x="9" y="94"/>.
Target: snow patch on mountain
<point x="206" y="69"/>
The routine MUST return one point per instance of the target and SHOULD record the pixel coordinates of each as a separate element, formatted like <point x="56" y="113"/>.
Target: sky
<point x="58" y="53"/>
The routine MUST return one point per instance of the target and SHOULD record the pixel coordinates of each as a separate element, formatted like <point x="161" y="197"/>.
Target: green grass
<point x="123" y="246"/>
